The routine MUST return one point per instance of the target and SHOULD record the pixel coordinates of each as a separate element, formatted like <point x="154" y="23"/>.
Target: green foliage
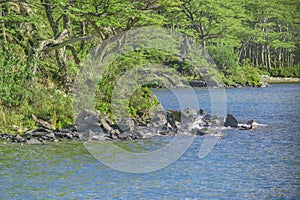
<point x="52" y="105"/>
<point x="292" y="71"/>
<point x="141" y="100"/>
<point x="224" y="57"/>
<point x="13" y="79"/>
<point x="245" y="75"/>
<point x="23" y="94"/>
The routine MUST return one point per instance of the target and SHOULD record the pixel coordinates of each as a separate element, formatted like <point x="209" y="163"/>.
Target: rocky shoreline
<point x="41" y="136"/>
<point x="265" y="79"/>
<point x="91" y="125"/>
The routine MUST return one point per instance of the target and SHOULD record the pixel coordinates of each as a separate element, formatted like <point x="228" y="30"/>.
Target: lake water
<point x="258" y="164"/>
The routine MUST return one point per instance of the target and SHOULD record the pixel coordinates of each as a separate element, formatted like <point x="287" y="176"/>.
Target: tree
<point x="208" y="20"/>
<point x="270" y="39"/>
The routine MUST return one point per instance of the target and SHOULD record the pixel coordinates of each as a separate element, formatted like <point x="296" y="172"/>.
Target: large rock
<point x="173" y="116"/>
<point x="33" y="141"/>
<point x="159" y="121"/>
<point x="231" y="121"/>
<point x="196" y="83"/>
<point x="202" y="112"/>
<point x="184" y="118"/>
<point x="125" y="124"/>
<point x="88" y="120"/>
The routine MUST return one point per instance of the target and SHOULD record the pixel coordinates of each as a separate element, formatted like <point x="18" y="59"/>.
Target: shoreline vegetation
<point x="44" y="45"/>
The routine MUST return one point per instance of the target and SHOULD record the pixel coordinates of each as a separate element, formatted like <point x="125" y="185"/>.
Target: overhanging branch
<point x="54" y="46"/>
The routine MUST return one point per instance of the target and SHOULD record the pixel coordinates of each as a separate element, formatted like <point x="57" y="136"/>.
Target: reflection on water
<point x="261" y="164"/>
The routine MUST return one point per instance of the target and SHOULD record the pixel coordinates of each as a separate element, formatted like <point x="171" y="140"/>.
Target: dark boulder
<point x="125" y="124"/>
<point x="173" y="116"/>
<point x="196" y="83"/>
<point x="88" y="120"/>
<point x="185" y="117"/>
<point x="231" y="121"/>
<point x="202" y="112"/>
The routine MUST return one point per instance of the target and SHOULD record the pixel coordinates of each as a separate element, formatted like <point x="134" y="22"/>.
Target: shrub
<point x="291" y="71"/>
<point x="224" y="57"/>
<point x="243" y="75"/>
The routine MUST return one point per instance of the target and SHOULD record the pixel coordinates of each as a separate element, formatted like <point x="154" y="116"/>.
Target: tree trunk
<point x="280" y="57"/>
<point x="250" y="53"/>
<point x="263" y="55"/>
<point x="240" y="53"/>
<point x="268" y="58"/>
<point x="82" y="32"/>
<point x="257" y="55"/>
<point x="3" y="14"/>
<point x="48" y="9"/>
<point x="203" y="45"/>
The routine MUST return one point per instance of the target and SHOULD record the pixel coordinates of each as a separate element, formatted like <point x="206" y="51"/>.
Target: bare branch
<point x="55" y="46"/>
<point x="74" y="53"/>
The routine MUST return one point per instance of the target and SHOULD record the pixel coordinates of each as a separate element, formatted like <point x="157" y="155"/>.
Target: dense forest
<point x="44" y="42"/>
